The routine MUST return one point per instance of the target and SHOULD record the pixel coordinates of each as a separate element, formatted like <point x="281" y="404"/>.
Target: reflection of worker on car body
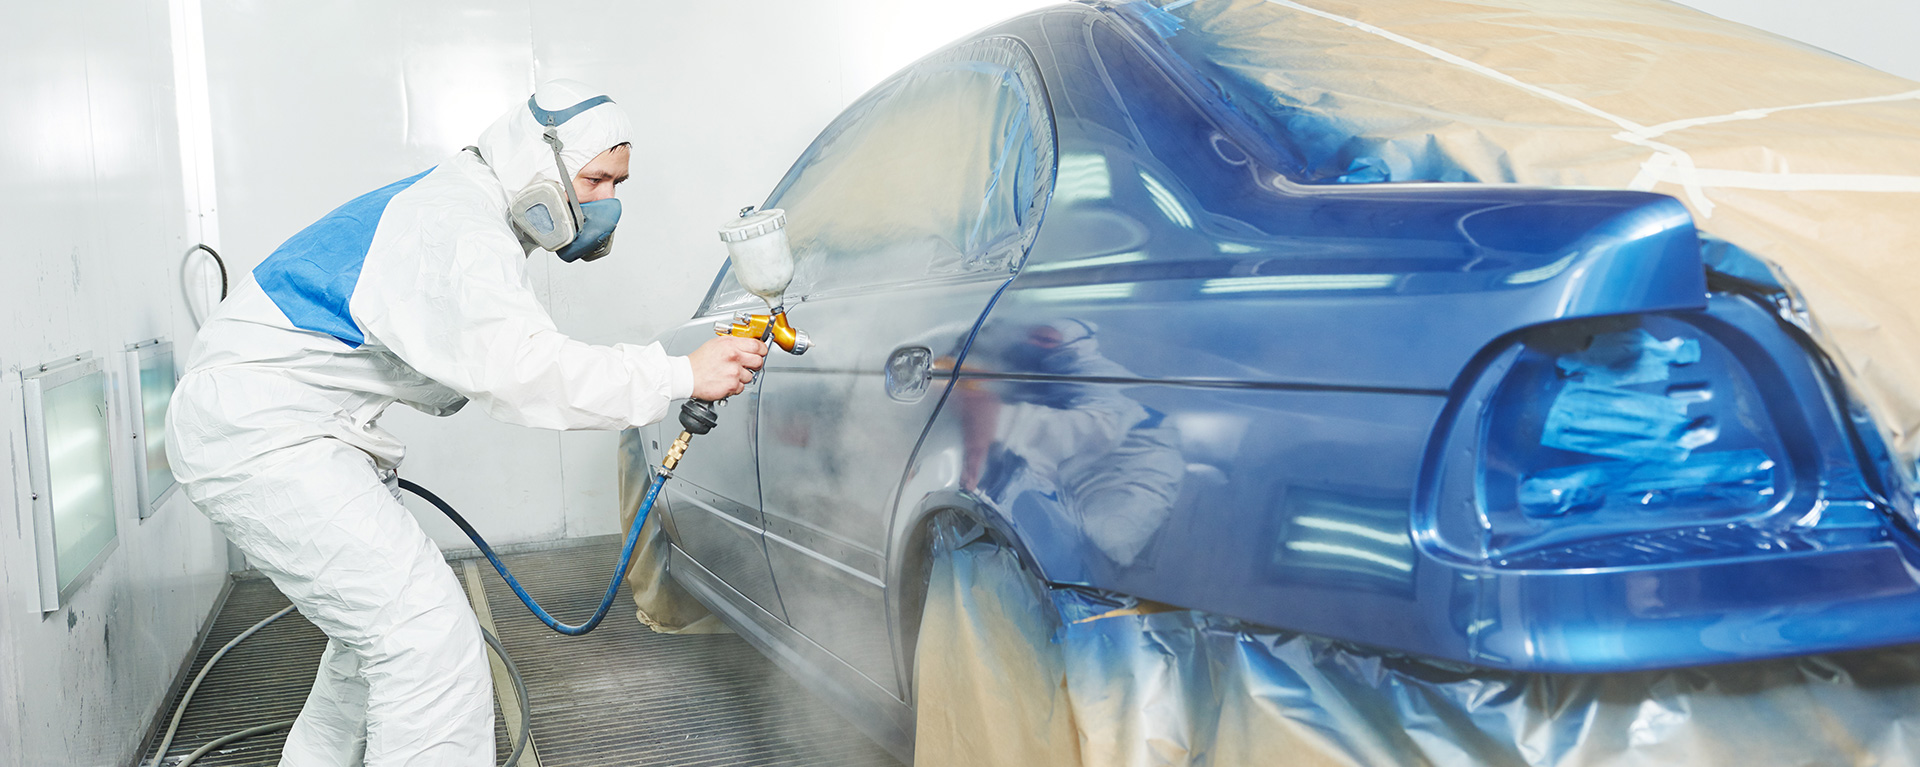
<point x="1117" y="462"/>
<point x="414" y="293"/>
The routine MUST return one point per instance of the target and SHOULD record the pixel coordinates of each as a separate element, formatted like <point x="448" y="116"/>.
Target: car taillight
<point x="1621" y="427"/>
<point x="1645" y="434"/>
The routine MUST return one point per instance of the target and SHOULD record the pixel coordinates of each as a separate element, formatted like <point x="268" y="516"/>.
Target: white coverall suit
<point x="414" y="293"/>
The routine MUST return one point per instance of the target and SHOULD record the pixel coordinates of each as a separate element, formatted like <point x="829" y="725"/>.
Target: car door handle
<point x="909" y="370"/>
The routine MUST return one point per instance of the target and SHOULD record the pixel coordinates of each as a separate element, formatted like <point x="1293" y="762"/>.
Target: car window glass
<point x="937" y="172"/>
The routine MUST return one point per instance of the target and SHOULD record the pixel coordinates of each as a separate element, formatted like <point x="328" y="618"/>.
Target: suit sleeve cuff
<point x="681" y="375"/>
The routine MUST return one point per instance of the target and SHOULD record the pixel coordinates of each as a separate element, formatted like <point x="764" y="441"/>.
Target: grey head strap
<point x="552" y="137"/>
<point x="554" y="118"/>
<point x="552" y="121"/>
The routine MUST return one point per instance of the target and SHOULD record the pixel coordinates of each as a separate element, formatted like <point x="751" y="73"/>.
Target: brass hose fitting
<point x="676" y="451"/>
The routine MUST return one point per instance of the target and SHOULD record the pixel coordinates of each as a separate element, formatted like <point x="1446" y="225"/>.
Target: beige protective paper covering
<point x="1010" y="674"/>
<point x="1803" y="158"/>
<point x="664" y="605"/>
<point x="984" y="695"/>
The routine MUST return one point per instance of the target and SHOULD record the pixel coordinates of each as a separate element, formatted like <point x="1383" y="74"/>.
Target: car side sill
<point x="874" y="710"/>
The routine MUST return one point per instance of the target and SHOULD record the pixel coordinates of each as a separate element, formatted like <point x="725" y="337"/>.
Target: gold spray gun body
<point x="763" y="264"/>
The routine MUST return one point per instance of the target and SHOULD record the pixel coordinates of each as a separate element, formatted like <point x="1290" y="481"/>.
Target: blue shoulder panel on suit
<point x="312" y="275"/>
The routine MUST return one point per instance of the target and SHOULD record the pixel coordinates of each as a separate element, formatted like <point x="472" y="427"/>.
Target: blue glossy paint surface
<point x="1214" y="387"/>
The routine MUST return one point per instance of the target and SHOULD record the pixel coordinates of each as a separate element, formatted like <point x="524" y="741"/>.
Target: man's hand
<point x="724" y="366"/>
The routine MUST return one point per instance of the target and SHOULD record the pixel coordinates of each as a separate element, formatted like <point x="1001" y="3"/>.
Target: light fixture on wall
<point x="70" y="467"/>
<point x="150" y="380"/>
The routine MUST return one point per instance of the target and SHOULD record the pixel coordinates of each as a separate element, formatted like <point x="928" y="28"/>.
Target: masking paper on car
<point x="1807" y="160"/>
<point x="1011" y="672"/>
<point x="664" y="605"/>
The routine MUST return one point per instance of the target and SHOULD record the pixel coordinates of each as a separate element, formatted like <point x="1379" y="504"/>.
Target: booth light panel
<point x="153" y="381"/>
<point x="69" y="454"/>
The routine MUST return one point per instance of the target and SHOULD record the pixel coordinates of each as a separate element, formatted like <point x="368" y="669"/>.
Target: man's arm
<point x="460" y="314"/>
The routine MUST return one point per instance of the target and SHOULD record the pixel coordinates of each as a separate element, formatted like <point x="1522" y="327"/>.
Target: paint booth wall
<point x="1878" y="33"/>
<point x="93" y="205"/>
<point x="315" y="103"/>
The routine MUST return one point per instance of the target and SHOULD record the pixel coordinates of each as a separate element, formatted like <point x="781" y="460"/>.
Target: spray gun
<point x="763" y="264"/>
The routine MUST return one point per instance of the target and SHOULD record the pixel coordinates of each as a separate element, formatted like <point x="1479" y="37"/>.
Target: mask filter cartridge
<point x="540" y="212"/>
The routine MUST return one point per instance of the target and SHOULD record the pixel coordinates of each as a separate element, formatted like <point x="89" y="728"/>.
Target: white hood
<point x="513" y="148"/>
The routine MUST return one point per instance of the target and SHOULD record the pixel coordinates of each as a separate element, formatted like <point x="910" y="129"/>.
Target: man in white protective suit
<point x="417" y="293"/>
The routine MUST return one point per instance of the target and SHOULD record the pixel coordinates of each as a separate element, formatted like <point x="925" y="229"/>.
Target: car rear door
<point x="908" y="215"/>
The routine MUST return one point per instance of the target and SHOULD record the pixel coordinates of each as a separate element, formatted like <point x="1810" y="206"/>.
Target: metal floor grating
<point x="624" y="695"/>
<point x="263" y="680"/>
<point x="621" y="695"/>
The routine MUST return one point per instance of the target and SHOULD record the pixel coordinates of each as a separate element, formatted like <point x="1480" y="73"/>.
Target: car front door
<point x="908" y="215"/>
<point x="713" y="500"/>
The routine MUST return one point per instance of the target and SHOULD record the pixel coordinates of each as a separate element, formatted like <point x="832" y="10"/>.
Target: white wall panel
<point x="1878" y="33"/>
<point x="90" y="195"/>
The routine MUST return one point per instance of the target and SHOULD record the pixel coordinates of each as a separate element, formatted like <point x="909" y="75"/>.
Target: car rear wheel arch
<point x="913" y="567"/>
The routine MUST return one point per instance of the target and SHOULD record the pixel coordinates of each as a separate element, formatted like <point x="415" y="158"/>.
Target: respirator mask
<point x="549" y="214"/>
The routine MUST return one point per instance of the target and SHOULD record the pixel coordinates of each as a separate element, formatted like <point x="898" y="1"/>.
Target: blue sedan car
<point x="1059" y="288"/>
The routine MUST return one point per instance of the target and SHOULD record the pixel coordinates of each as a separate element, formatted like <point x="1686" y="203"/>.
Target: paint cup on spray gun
<point x="763" y="264"/>
<point x="762" y="258"/>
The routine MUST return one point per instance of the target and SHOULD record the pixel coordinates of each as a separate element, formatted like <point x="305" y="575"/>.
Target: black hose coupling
<point x="698" y="416"/>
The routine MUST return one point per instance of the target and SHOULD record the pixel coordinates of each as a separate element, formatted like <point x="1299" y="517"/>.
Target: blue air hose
<point x="606" y="602"/>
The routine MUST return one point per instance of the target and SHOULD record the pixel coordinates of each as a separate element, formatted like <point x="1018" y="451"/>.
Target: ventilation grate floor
<point x="263" y="680"/>
<point x="621" y="695"/>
